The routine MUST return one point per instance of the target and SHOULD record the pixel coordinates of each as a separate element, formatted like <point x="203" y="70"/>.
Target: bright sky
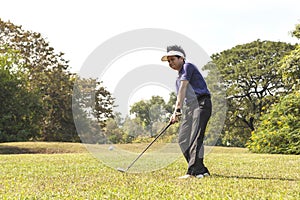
<point x="78" y="27"/>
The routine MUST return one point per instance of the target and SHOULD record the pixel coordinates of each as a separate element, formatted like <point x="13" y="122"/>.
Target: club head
<point x="121" y="170"/>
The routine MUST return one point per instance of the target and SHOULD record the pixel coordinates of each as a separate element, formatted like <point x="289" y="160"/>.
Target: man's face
<point x="175" y="62"/>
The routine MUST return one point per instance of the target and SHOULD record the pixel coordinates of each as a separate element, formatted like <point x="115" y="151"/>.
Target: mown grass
<point x="236" y="174"/>
<point x="41" y="148"/>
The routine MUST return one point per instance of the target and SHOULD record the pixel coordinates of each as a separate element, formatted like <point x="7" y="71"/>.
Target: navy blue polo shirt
<point x="197" y="85"/>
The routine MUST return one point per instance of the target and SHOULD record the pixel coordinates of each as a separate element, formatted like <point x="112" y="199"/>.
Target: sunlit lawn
<point x="236" y="174"/>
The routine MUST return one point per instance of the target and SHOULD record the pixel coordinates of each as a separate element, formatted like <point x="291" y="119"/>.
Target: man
<point x="192" y="92"/>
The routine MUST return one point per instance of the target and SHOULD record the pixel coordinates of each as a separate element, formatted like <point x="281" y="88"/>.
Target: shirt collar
<point x="181" y="70"/>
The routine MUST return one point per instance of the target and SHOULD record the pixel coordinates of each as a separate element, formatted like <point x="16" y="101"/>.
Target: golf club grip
<point x="150" y="145"/>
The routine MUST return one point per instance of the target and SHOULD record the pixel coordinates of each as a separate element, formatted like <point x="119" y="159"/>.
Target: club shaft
<point x="149" y="145"/>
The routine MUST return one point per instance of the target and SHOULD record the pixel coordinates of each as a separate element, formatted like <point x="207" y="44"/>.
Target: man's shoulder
<point x="190" y="66"/>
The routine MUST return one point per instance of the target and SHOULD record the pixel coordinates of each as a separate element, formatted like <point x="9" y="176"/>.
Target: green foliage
<point x="20" y="109"/>
<point x="113" y="133"/>
<point x="290" y="65"/>
<point x="150" y="116"/>
<point x="169" y="107"/>
<point x="250" y="74"/>
<point x="279" y="130"/>
<point x="104" y="103"/>
<point x="291" y="69"/>
<point x="46" y="75"/>
<point x="92" y="106"/>
<point x="296" y="32"/>
<point x="133" y="128"/>
<point x="149" y="112"/>
<point x="219" y="108"/>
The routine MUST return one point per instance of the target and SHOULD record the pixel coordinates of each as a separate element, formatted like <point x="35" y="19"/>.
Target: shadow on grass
<point x="255" y="178"/>
<point x="20" y="150"/>
<point x="7" y="149"/>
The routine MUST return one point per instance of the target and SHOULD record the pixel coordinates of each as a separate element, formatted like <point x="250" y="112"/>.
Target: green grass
<point x="41" y="148"/>
<point x="236" y="174"/>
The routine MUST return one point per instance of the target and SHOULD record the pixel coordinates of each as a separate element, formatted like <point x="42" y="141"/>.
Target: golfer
<point x="192" y="92"/>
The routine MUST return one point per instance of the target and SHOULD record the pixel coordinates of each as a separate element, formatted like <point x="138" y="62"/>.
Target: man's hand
<point x="179" y="101"/>
<point x="175" y="116"/>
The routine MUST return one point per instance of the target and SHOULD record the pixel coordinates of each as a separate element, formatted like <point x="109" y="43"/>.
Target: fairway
<point x="63" y="174"/>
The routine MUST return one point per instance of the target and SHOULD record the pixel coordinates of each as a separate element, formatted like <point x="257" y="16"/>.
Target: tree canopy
<point x="20" y="109"/>
<point x="150" y="111"/>
<point x="40" y="98"/>
<point x="279" y="128"/>
<point x="290" y="64"/>
<point x="44" y="75"/>
<point x="250" y="73"/>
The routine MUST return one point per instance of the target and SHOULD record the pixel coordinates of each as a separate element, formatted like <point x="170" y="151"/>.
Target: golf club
<point x="162" y="131"/>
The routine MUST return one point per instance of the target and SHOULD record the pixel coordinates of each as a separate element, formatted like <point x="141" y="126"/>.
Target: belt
<point x="203" y="96"/>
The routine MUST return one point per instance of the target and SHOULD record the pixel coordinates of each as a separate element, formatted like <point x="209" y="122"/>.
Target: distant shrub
<point x="279" y="130"/>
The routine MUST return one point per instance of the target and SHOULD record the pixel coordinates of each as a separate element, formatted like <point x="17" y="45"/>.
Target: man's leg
<point x="184" y="134"/>
<point x="200" y="120"/>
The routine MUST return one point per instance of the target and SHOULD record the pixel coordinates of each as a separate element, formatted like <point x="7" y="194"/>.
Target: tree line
<point x="36" y="89"/>
<point x="260" y="80"/>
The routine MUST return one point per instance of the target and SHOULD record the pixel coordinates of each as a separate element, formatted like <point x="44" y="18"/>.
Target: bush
<point x="279" y="130"/>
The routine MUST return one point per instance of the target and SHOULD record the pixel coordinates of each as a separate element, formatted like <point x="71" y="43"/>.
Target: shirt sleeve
<point x="187" y="72"/>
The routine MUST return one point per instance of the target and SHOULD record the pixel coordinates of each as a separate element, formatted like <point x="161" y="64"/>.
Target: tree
<point x="213" y="135"/>
<point x="104" y="104"/>
<point x="20" y="109"/>
<point x="290" y="65"/>
<point x="250" y="74"/>
<point x="296" y="32"/>
<point x="279" y="130"/>
<point x="169" y="107"/>
<point x="48" y="75"/>
<point x="113" y="133"/>
<point x="150" y="117"/>
<point x="133" y="129"/>
<point x="92" y="107"/>
<point x="149" y="112"/>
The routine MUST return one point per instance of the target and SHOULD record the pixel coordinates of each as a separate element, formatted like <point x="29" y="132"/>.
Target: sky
<point x="78" y="27"/>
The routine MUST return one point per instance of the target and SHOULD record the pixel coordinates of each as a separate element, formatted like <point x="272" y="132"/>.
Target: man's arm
<point x="179" y="100"/>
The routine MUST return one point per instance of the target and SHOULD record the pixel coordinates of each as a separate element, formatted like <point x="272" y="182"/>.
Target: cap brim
<point x="171" y="53"/>
<point x="164" y="58"/>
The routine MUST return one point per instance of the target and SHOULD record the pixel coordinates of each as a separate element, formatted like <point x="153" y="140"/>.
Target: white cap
<point x="172" y="53"/>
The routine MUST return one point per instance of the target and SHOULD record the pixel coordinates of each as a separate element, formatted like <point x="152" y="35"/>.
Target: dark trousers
<point x="191" y="134"/>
